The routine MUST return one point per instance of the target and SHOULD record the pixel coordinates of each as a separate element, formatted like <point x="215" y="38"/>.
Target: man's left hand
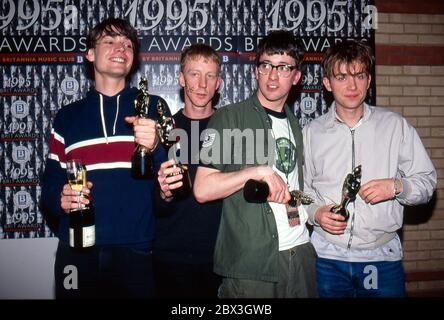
<point x="377" y="190"/>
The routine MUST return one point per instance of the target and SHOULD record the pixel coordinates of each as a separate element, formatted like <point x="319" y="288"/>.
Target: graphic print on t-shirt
<point x="285" y="155"/>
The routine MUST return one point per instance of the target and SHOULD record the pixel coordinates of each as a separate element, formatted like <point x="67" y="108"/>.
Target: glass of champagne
<point x="82" y="234"/>
<point x="76" y="172"/>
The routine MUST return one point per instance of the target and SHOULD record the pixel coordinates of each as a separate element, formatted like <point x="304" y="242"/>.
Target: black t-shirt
<point x="186" y="230"/>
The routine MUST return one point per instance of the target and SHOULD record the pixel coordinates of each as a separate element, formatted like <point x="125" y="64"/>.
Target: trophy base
<point x="342" y="211"/>
<point x="142" y="166"/>
<point x="185" y="190"/>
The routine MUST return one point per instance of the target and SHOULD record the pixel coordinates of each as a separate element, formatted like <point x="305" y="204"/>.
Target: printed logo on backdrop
<point x="19" y="109"/>
<point x="24" y="217"/>
<point x="20" y="155"/>
<point x="18" y="123"/>
<point x="21" y="165"/>
<point x="43" y="42"/>
<point x="308" y="105"/>
<point x="22" y="200"/>
<point x="16" y="83"/>
<point x="69" y="86"/>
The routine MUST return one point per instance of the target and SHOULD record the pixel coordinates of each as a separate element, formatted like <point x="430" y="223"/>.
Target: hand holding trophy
<point x="164" y="126"/>
<point x="350" y="189"/>
<point x="185" y="189"/>
<point x="142" y="159"/>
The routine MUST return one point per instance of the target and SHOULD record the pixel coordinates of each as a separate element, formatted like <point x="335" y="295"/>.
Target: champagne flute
<point x="76" y="173"/>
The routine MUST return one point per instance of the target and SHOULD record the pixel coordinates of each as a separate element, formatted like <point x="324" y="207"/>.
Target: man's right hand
<point x="71" y="199"/>
<point x="167" y="182"/>
<point x="279" y="192"/>
<point x="331" y="222"/>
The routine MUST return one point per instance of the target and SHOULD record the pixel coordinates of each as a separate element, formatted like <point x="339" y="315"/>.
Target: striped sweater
<point x="94" y="130"/>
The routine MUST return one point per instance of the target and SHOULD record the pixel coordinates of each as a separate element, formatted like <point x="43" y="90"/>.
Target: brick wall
<point x="410" y="81"/>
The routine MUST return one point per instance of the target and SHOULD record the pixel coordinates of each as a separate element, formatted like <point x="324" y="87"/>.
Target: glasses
<point x="113" y="44"/>
<point x="283" y="70"/>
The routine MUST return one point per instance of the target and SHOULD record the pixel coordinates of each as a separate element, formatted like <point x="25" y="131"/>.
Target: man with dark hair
<point x="361" y="256"/>
<point x="104" y="33"/>
<point x="262" y="249"/>
<point x="186" y="230"/>
<point x="101" y="131"/>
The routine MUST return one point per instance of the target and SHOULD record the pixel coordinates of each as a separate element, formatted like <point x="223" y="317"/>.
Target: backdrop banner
<point x="42" y="47"/>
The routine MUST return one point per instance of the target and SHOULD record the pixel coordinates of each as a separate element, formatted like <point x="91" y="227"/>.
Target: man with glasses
<point x="262" y="249"/>
<point x="361" y="256"/>
<point x="101" y="131"/>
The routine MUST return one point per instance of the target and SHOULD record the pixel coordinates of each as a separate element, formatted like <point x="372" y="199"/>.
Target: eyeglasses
<point x="283" y="70"/>
<point x="113" y="44"/>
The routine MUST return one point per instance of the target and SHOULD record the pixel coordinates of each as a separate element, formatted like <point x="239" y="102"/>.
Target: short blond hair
<point x="199" y="50"/>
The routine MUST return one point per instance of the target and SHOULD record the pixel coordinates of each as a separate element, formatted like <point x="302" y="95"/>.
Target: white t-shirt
<point x="285" y="165"/>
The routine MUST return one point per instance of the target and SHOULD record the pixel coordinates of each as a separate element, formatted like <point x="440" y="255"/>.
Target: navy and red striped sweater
<point x="94" y="130"/>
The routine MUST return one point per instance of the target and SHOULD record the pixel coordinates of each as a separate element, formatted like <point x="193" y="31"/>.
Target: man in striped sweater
<point x="101" y="131"/>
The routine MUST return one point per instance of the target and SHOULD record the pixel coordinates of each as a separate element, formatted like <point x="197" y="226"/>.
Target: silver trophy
<point x="298" y="196"/>
<point x="350" y="189"/>
<point x="292" y="207"/>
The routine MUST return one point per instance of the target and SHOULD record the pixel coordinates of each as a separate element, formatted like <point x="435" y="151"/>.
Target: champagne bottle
<point x="82" y="233"/>
<point x="256" y="191"/>
<point x="82" y="230"/>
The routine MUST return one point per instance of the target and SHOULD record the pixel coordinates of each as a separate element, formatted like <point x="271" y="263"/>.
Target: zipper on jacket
<point x="352" y="223"/>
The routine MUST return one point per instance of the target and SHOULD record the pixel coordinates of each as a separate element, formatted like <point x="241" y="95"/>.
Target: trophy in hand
<point x="165" y="124"/>
<point x="350" y="189"/>
<point x="185" y="189"/>
<point x="142" y="159"/>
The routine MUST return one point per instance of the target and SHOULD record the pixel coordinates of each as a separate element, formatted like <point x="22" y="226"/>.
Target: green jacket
<point x="247" y="244"/>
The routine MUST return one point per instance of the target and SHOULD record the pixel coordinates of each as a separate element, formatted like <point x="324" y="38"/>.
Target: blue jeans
<point x="341" y="279"/>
